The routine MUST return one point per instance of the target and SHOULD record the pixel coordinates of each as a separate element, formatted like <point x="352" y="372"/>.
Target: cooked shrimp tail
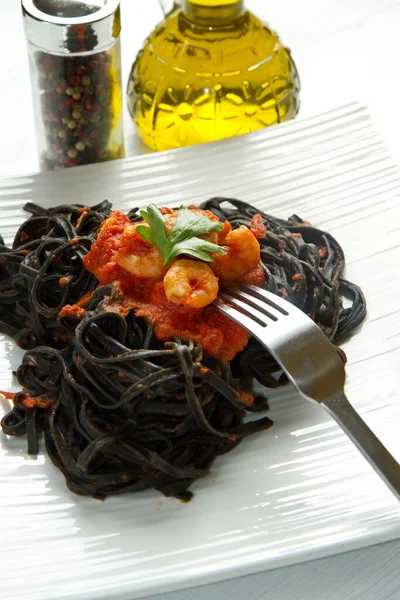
<point x="191" y="283"/>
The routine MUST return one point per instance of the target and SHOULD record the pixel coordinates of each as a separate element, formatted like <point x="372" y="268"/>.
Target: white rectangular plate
<point x="296" y="492"/>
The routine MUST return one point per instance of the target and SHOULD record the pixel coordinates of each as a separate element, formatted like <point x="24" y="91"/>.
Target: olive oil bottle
<point x="210" y="71"/>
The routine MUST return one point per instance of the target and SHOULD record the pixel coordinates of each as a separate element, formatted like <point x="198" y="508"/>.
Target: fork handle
<point x="366" y="441"/>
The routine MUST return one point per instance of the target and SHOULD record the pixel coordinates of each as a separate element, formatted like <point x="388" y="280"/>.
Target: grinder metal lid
<point x="72" y="26"/>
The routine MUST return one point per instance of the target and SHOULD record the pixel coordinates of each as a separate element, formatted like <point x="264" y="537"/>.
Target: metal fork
<point x="311" y="362"/>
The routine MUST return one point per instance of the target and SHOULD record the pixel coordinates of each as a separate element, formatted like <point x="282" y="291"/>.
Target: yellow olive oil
<point x="210" y="71"/>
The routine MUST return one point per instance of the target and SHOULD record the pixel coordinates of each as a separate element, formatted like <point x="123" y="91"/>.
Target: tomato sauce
<point x="258" y="229"/>
<point x="220" y="337"/>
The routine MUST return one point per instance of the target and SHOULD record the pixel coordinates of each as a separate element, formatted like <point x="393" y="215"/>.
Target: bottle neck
<point x="213" y="12"/>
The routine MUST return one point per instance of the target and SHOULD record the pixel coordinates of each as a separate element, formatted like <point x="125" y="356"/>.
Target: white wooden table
<point x="345" y="50"/>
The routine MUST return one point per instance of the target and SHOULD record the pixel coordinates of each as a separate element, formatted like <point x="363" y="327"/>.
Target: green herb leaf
<point x="157" y="236"/>
<point x="144" y="233"/>
<point x="183" y="237"/>
<point x="189" y="224"/>
<point x="197" y="248"/>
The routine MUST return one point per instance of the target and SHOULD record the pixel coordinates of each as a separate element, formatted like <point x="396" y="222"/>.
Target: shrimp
<point x="191" y="283"/>
<point x="242" y="255"/>
<point x="138" y="256"/>
<point x="170" y="221"/>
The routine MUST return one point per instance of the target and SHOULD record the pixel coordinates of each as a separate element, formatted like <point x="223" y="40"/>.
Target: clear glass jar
<point x="75" y="61"/>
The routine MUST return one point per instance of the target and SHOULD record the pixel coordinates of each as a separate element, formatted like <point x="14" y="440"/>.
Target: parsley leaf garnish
<point x="183" y="237"/>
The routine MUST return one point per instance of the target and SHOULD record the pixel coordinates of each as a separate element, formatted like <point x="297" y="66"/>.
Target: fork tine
<point x="257" y="303"/>
<point x="245" y="308"/>
<point x="272" y="299"/>
<point x="311" y="363"/>
<point x="240" y="318"/>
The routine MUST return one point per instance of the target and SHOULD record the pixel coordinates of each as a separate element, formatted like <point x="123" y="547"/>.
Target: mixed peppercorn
<point x="80" y="108"/>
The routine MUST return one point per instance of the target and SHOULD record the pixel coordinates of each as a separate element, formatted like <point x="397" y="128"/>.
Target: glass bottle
<point x="211" y="70"/>
<point x="75" y="63"/>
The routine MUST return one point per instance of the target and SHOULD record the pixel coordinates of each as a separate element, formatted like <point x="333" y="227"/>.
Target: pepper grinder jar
<point x="75" y="63"/>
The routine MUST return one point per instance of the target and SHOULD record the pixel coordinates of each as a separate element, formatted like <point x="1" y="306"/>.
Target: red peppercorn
<point x="93" y="65"/>
<point x="63" y="160"/>
<point x="94" y="134"/>
<point x="80" y="133"/>
<point x="80" y="70"/>
<point x="60" y="88"/>
<point x="87" y="113"/>
<point x="70" y="102"/>
<point x="96" y="109"/>
<point x="74" y="80"/>
<point x="62" y="106"/>
<point x="73" y="162"/>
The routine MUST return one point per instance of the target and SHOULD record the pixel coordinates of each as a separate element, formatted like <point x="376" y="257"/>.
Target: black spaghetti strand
<point x="121" y="411"/>
<point x="294" y="248"/>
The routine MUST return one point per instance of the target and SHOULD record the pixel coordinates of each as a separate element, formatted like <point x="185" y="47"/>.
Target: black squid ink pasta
<point x="120" y="410"/>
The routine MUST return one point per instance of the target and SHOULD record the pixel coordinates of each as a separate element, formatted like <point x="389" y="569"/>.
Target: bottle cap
<point x="72" y="26"/>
